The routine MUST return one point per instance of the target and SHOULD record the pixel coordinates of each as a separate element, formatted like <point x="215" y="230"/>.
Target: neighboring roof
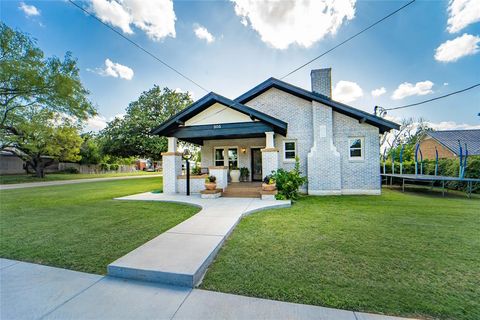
<point x="450" y="139"/>
<point x="208" y="100"/>
<point x="382" y="124"/>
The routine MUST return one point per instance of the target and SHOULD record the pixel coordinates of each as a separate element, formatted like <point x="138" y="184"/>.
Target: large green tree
<point x="130" y="135"/>
<point x="42" y="101"/>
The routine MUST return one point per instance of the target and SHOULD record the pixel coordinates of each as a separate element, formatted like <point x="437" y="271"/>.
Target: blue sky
<point x="428" y="49"/>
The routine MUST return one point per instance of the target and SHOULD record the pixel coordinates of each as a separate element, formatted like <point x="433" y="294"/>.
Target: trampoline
<point x="432" y="179"/>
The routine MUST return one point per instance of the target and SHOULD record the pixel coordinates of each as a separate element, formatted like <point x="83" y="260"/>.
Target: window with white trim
<point x="355" y="151"/>
<point x="219" y="157"/>
<point x="289" y="150"/>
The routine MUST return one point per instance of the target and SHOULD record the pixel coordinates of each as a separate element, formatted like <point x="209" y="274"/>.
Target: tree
<point x="410" y="132"/>
<point x="35" y="89"/>
<point x="46" y="137"/>
<point x="90" y="150"/>
<point x="130" y="135"/>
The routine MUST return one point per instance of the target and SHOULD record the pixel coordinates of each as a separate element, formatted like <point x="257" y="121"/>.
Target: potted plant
<point x="269" y="183"/>
<point x="244" y="174"/>
<point x="210" y="183"/>
<point x="235" y="174"/>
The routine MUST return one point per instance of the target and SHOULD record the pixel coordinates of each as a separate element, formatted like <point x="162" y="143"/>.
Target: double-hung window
<point x="289" y="150"/>
<point x="355" y="151"/>
<point x="219" y="157"/>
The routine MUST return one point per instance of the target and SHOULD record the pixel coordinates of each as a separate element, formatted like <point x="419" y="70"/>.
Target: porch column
<point x="269" y="155"/>
<point x="172" y="166"/>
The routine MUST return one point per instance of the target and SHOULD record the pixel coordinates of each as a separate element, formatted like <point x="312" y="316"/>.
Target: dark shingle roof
<point x="450" y="138"/>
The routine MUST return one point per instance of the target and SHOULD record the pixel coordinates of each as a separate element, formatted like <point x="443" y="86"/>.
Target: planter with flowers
<point x="269" y="183"/>
<point x="211" y="183"/>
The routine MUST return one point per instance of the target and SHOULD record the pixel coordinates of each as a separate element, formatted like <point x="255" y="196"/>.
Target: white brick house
<point x="269" y="126"/>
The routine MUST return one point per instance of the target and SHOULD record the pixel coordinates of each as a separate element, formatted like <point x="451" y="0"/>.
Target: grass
<point x="23" y="178"/>
<point x="80" y="226"/>
<point x="400" y="254"/>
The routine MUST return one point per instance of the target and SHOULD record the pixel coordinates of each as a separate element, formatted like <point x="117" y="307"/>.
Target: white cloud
<point x="155" y="17"/>
<point x="281" y="23"/>
<point x="451" y="125"/>
<point x="95" y="123"/>
<point x="378" y="92"/>
<point x="461" y="13"/>
<point x="190" y="93"/>
<point x="407" y="89"/>
<point x="204" y="34"/>
<point x="29" y="10"/>
<point x="462" y="46"/>
<point x="113" y="69"/>
<point x="347" y="91"/>
<point x="445" y="83"/>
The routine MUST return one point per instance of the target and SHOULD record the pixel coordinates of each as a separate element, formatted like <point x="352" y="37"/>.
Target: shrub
<point x="114" y="167"/>
<point x="71" y="170"/>
<point x="270" y="179"/>
<point x="104" y="166"/>
<point x="244" y="173"/>
<point x="288" y="182"/>
<point x="211" y="179"/>
<point x="196" y="171"/>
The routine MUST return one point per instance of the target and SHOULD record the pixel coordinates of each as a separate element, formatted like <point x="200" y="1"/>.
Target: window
<point x="233" y="158"/>
<point x="219" y="157"/>
<point x="355" y="148"/>
<point x="289" y="150"/>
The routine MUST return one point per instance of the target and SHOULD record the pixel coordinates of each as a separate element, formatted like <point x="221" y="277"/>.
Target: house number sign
<point x="217" y="126"/>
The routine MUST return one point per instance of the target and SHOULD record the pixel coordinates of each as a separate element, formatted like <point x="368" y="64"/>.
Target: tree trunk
<point x="38" y="164"/>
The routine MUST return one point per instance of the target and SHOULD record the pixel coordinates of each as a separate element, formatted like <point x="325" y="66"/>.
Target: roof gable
<point x="382" y="124"/>
<point x="451" y="138"/>
<point x="209" y="100"/>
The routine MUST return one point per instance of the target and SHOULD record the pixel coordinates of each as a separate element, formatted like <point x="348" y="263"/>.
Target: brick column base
<point x="269" y="161"/>
<point x="172" y="168"/>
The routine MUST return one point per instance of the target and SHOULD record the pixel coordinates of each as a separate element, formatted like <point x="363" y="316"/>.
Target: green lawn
<point x="80" y="226"/>
<point x="400" y="254"/>
<point x="22" y="178"/>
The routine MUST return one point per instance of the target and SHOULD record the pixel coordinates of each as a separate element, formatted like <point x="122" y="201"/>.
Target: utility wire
<point x="433" y="99"/>
<point x="348" y="39"/>
<point x="139" y="46"/>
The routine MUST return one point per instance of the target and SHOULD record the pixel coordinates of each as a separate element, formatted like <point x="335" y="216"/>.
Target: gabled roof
<point x="450" y="138"/>
<point x="382" y="124"/>
<point x="208" y="100"/>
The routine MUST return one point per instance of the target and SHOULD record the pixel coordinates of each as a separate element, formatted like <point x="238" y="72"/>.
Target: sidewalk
<point x="64" y="182"/>
<point x="181" y="255"/>
<point x="31" y="291"/>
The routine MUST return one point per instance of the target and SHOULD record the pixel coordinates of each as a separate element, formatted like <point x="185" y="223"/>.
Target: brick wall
<point x="428" y="144"/>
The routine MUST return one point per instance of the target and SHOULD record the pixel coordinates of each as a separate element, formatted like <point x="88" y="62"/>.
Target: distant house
<point x="447" y="141"/>
<point x="270" y="126"/>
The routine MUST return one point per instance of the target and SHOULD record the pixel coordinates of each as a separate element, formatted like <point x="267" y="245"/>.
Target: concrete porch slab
<point x="6" y="263"/>
<point x="181" y="255"/>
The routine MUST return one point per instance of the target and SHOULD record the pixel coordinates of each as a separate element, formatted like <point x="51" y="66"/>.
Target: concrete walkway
<point x="181" y="255"/>
<point x="31" y="291"/>
<point x="64" y="182"/>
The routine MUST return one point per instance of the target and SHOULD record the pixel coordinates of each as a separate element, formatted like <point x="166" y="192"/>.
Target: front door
<point x="256" y="164"/>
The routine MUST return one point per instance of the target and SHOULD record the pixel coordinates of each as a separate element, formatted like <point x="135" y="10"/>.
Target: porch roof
<point x="260" y="123"/>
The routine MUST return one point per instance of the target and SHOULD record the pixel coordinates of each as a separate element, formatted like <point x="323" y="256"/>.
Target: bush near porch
<point x="406" y="254"/>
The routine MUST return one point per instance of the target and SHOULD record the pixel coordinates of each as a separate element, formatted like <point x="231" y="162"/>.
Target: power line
<point x="433" y="99"/>
<point x="348" y="39"/>
<point x="139" y="46"/>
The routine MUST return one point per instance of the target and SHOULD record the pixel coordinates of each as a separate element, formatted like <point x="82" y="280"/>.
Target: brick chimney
<point x="322" y="81"/>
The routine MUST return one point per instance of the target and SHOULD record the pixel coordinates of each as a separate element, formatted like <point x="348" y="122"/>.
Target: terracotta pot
<point x="269" y="187"/>
<point x="210" y="185"/>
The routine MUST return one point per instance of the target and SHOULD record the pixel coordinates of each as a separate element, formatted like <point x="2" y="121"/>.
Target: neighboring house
<point x="270" y="125"/>
<point x="447" y="143"/>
